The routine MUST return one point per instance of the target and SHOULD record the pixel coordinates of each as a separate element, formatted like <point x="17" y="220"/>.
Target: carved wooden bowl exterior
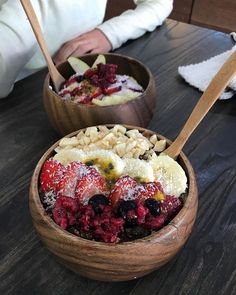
<point x="66" y="116"/>
<point x="123" y="261"/>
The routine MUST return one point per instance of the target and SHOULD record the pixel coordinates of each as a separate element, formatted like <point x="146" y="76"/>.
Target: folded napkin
<point x="200" y="75"/>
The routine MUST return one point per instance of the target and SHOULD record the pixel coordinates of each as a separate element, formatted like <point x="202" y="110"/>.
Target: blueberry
<point x="79" y="78"/>
<point x="97" y="202"/>
<point x="153" y="206"/>
<point x="124" y="208"/>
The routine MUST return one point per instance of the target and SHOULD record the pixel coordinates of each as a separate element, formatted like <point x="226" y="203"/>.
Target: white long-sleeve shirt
<point x="61" y="21"/>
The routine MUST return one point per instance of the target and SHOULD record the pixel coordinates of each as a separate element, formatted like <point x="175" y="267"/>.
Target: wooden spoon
<point x="211" y="94"/>
<point x="56" y="77"/>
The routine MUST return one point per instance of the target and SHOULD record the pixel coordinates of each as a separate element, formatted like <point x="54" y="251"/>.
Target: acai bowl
<point x="115" y="259"/>
<point x="67" y="115"/>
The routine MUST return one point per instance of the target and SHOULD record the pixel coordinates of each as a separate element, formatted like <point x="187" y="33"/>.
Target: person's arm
<point x="17" y="43"/>
<point x="114" y="32"/>
<point x="134" y="23"/>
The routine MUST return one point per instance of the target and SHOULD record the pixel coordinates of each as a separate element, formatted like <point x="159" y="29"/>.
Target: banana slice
<point x="99" y="60"/>
<point x="117" y="98"/>
<point x="138" y="169"/>
<point x="170" y="174"/>
<point x="66" y="156"/>
<point x="108" y="163"/>
<point x="78" y="65"/>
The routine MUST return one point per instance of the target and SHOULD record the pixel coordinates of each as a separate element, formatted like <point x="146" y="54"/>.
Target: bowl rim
<point x="57" y="96"/>
<point x="167" y="230"/>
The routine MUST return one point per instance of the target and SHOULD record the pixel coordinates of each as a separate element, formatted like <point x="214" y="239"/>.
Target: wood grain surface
<point x="182" y="10"/>
<point x="216" y="14"/>
<point x="207" y="263"/>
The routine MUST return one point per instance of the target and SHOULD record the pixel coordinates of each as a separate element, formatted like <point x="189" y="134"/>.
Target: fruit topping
<point x="64" y="211"/>
<point x="97" y="83"/>
<point x="89" y="185"/>
<point x="67" y="184"/>
<point x="153" y="206"/>
<point x="111" y="195"/>
<point x="51" y="174"/>
<point x="149" y="190"/>
<point x="125" y="188"/>
<point x="170" y="174"/>
<point x="98" y="202"/>
<point x="170" y="207"/>
<point x="154" y="223"/>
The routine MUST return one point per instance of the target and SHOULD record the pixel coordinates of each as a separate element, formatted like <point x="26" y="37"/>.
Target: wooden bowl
<point x="122" y="261"/>
<point x="67" y="116"/>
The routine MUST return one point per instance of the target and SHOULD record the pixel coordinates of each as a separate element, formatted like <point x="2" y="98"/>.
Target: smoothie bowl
<point x="100" y="89"/>
<point x="110" y="205"/>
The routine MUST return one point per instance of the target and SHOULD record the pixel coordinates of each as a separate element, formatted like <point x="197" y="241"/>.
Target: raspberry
<point x="154" y="223"/>
<point x="64" y="211"/>
<point x="103" y="227"/>
<point x="107" y="227"/>
<point x="170" y="207"/>
<point x="103" y="76"/>
<point x="85" y="218"/>
<point x="141" y="214"/>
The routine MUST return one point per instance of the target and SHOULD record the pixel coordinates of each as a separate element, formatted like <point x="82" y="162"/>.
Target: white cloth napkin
<point x="200" y="75"/>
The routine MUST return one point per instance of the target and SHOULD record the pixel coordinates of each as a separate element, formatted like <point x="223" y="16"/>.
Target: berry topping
<point x="67" y="185"/>
<point x="170" y="207"/>
<point x="150" y="190"/>
<point x="103" y="227"/>
<point x="98" y="202"/>
<point x="132" y="212"/>
<point x="125" y="207"/>
<point x="153" y="206"/>
<point x="102" y="76"/>
<point x="64" y="211"/>
<point x="71" y="80"/>
<point x="125" y="188"/>
<point x="89" y="185"/>
<point x="110" y="90"/>
<point x="154" y="223"/>
<point x="51" y="174"/>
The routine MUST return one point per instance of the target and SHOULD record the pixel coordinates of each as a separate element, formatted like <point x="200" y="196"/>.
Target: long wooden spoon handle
<point x="29" y="10"/>
<point x="209" y="97"/>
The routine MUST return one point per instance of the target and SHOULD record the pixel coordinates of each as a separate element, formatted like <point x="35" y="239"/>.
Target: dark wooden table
<point x="207" y="263"/>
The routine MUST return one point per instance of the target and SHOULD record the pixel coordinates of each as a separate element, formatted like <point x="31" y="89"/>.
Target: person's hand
<point x="92" y="42"/>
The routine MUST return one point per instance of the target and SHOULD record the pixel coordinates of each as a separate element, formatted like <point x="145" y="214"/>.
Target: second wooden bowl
<point x="66" y="116"/>
<point x="122" y="261"/>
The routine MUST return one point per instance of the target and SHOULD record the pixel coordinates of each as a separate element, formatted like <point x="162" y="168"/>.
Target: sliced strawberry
<point x="51" y="174"/>
<point x="148" y="190"/>
<point x="71" y="80"/>
<point x="76" y="91"/>
<point x="95" y="92"/>
<point x="64" y="92"/>
<point x="125" y="188"/>
<point x="111" y="89"/>
<point x="89" y="185"/>
<point x="86" y="92"/>
<point x="170" y="206"/>
<point x="73" y="172"/>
